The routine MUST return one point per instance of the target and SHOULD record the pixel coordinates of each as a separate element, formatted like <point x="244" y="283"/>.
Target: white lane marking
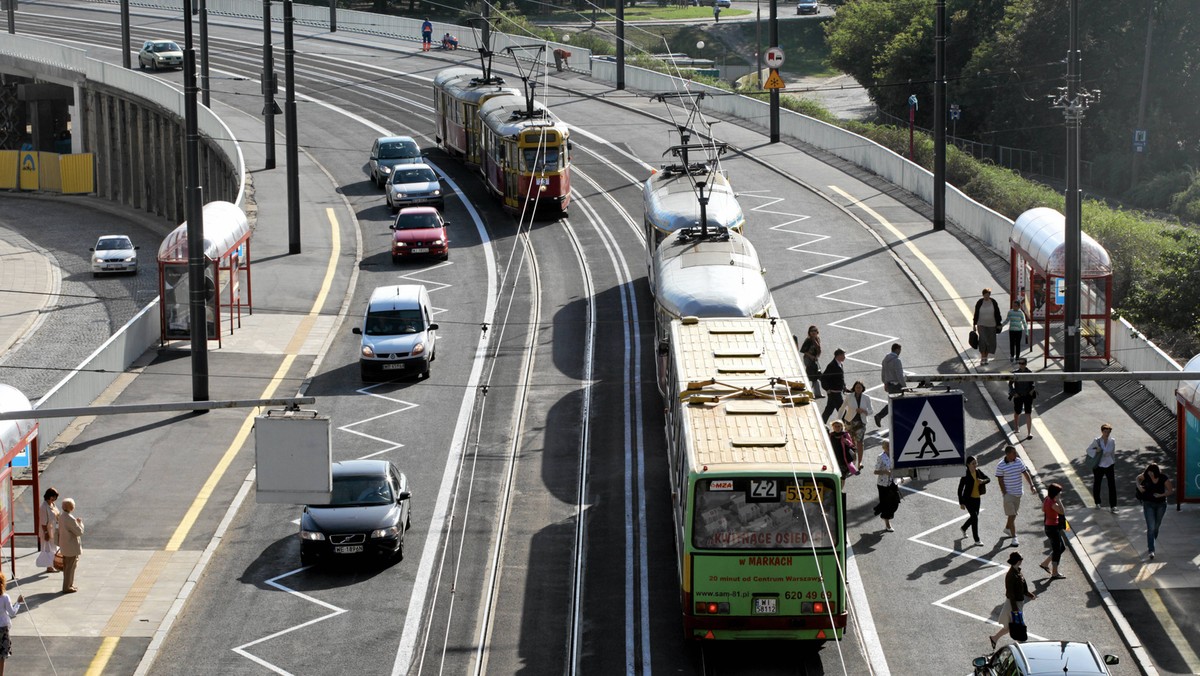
<point x="334" y="612"/>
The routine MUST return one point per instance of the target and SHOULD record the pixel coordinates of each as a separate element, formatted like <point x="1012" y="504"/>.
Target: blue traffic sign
<point x="927" y="429"/>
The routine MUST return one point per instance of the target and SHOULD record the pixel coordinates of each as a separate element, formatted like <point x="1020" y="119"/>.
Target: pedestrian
<point x="426" y="35"/>
<point x="10" y="610"/>
<point x="70" y="542"/>
<point x="1017" y="322"/>
<point x="1055" y="522"/>
<point x="892" y="375"/>
<point x="843" y="448"/>
<point x="48" y="531"/>
<point x="1009" y="474"/>
<point x="834" y="381"/>
<point x="449" y="42"/>
<point x="986" y="323"/>
<point x="810" y="352"/>
<point x="1102" y="456"/>
<point x="889" y="492"/>
<point x="971" y="488"/>
<point x="716" y="12"/>
<point x="1153" y="487"/>
<point x="854" y="411"/>
<point x="1016" y="593"/>
<point x="1022" y="393"/>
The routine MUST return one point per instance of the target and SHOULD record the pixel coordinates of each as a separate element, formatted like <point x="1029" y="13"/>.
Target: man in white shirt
<point x="1008" y="476"/>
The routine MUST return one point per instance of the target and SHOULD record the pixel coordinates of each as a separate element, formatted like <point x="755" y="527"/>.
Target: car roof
<point x="360" y="468"/>
<point x="1050" y="657"/>
<point x="395" y="139"/>
<point x="417" y="210"/>
<point x="415" y="165"/>
<point x="104" y="237"/>
<point x="399" y="296"/>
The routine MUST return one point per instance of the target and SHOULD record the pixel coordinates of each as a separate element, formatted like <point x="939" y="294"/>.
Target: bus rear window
<point x="764" y="513"/>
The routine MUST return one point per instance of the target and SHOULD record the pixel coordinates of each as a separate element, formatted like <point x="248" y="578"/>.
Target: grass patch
<point x="803" y="43"/>
<point x="639" y="13"/>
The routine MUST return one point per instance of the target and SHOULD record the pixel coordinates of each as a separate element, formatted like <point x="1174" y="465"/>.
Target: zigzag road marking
<point x="334" y="612"/>
<point x="834" y="295"/>
<point x="944" y="602"/>
<point x="390" y="445"/>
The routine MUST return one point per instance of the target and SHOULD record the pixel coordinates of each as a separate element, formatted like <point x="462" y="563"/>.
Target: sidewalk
<point x="134" y="476"/>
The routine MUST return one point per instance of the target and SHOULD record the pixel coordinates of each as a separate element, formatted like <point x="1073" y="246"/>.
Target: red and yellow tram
<point x="457" y="95"/>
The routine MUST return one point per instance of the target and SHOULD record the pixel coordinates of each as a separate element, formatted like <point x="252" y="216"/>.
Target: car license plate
<point x="351" y="549"/>
<point x="423" y="250"/>
<point x="393" y="367"/>
<point x="766" y="606"/>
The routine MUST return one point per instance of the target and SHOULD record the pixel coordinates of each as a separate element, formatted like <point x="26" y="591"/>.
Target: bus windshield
<point x="764" y="513"/>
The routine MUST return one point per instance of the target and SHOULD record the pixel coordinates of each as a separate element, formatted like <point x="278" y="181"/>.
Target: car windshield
<point x="417" y="221"/>
<point x="165" y="47"/>
<point x="352" y="491"/>
<point x="398" y="150"/>
<point x="393" y="322"/>
<point x="113" y="244"/>
<point x="421" y="175"/>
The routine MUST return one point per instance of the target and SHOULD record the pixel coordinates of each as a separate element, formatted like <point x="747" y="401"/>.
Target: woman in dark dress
<point x="971" y="488"/>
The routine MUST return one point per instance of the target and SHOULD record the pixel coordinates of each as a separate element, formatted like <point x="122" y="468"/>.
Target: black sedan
<point x="367" y="515"/>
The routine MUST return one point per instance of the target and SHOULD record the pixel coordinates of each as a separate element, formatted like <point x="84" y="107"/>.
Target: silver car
<point x="807" y="7"/>
<point x="389" y="151"/>
<point x="157" y="54"/>
<point x="114" y="253"/>
<point x="414" y="185"/>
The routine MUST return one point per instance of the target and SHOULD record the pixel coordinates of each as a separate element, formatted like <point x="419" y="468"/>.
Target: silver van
<point x="398" y="337"/>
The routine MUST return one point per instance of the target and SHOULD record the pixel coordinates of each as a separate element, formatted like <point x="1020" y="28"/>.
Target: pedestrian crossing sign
<point x="927" y="429"/>
<point x="774" y="81"/>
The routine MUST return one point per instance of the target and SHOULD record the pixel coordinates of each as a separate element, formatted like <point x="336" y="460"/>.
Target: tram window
<point x="728" y="519"/>
<point x="541" y="159"/>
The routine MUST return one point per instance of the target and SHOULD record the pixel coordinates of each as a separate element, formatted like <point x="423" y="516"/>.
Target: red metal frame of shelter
<point x="227" y="250"/>
<point x="1037" y="260"/>
<point x="15" y="436"/>
<point x="1187" y="446"/>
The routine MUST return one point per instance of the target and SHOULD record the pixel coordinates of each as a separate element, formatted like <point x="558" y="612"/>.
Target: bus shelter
<point x="1187" y="444"/>
<point x="19" y="446"/>
<point x="1037" y="276"/>
<point x="226" y="258"/>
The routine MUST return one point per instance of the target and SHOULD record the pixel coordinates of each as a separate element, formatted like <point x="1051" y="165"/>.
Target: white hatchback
<point x="114" y="253"/>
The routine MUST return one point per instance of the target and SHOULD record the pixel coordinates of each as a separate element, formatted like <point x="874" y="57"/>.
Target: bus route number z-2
<point x="764" y="489"/>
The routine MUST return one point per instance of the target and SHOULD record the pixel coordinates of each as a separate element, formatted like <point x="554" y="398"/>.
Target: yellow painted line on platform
<point x="152" y="569"/>
<point x="952" y="294"/>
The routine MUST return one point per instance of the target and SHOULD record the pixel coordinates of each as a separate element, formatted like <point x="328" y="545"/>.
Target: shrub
<point x="1157" y="191"/>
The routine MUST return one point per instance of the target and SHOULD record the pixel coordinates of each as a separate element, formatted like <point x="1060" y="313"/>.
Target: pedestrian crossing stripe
<point x="774" y="81"/>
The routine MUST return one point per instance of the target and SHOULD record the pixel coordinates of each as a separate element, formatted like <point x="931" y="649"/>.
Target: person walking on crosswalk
<point x="1009" y="475"/>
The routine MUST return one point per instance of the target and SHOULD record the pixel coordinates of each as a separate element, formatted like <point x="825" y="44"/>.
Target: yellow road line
<point x="952" y="294"/>
<point x="107" y="646"/>
<point x="1172" y="630"/>
<point x="144" y="582"/>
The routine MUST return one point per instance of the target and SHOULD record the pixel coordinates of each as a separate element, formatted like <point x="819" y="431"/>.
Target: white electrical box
<point x="293" y="457"/>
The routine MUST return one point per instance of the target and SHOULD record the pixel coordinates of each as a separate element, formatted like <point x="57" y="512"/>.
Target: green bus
<point x="756" y="492"/>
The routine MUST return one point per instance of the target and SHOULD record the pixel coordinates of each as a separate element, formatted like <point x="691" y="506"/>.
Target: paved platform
<point x="29" y="280"/>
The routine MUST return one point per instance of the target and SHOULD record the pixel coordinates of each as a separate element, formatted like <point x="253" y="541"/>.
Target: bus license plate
<point x="356" y="549"/>
<point x="766" y="606"/>
<point x="423" y="250"/>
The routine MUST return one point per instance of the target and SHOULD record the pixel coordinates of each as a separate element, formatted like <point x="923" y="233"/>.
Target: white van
<point x="398" y="337"/>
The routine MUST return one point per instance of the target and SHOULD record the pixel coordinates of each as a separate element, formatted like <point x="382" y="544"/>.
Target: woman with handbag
<point x="971" y="488"/>
<point x="843" y="448"/>
<point x="1153" y="487"/>
<point x="1016" y="592"/>
<point x="1102" y="458"/>
<point x="1055" y="522"/>
<point x="48" y="531"/>
<point x="855" y="410"/>
<point x="889" y="493"/>
<point x="986" y="321"/>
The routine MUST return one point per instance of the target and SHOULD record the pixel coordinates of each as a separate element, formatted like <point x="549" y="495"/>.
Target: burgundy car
<point x="420" y="231"/>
